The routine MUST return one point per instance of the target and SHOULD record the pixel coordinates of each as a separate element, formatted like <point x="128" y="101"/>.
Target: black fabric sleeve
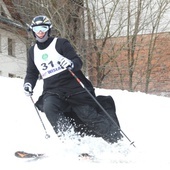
<point x="64" y="47"/>
<point x="32" y="72"/>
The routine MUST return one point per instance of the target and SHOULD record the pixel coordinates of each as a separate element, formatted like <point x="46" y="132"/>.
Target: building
<point x="116" y="73"/>
<point x="12" y="43"/>
<point x="137" y="60"/>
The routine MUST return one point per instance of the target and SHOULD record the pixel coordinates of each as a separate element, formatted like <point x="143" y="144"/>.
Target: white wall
<point x="12" y="64"/>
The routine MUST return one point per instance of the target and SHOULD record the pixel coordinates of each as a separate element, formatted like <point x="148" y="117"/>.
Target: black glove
<point x="28" y="89"/>
<point x="66" y="63"/>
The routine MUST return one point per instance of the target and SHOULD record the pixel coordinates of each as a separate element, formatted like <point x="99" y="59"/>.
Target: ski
<point x="86" y="156"/>
<point x="22" y="154"/>
<point x="27" y="155"/>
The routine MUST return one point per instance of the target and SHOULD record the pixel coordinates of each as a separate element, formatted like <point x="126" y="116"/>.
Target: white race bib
<point x="47" y="60"/>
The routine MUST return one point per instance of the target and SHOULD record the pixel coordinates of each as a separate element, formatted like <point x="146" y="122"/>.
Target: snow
<point x="144" y="119"/>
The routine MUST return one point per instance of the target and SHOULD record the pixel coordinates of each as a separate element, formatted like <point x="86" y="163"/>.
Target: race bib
<point x="47" y="60"/>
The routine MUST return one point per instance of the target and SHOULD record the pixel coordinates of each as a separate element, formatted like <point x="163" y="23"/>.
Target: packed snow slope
<point x="145" y="119"/>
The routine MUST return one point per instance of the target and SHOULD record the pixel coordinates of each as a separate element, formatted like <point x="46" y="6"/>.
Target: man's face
<point x="40" y="30"/>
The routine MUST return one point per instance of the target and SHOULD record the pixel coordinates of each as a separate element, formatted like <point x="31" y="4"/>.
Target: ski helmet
<point x="38" y="21"/>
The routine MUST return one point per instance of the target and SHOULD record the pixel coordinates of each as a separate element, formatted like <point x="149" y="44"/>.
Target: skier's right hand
<point x="28" y="89"/>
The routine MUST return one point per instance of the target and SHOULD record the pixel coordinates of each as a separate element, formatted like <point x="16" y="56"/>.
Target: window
<point x="11" y="75"/>
<point x="11" y="47"/>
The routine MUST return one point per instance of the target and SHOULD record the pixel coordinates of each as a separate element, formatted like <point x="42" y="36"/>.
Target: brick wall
<point x="118" y="77"/>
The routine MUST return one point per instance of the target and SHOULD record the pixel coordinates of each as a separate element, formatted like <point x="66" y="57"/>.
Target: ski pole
<point x="46" y="134"/>
<point x="78" y="80"/>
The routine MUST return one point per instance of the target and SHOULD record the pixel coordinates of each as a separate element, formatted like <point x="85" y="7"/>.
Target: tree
<point x="121" y="28"/>
<point x="109" y="35"/>
<point x="99" y="18"/>
<point x="146" y="19"/>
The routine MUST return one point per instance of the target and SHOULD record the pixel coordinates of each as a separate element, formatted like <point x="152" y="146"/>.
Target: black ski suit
<point x="64" y="98"/>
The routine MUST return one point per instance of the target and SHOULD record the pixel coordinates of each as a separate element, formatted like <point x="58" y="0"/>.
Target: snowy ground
<point x="143" y="118"/>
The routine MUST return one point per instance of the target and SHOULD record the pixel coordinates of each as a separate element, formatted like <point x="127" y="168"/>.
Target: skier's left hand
<point x="66" y="63"/>
<point x="28" y="89"/>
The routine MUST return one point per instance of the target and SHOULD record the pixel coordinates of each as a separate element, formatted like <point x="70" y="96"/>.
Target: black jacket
<point x="63" y="82"/>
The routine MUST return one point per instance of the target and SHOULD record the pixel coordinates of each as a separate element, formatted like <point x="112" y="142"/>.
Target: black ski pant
<point x="54" y="108"/>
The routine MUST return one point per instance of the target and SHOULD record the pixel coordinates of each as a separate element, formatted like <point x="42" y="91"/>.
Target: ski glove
<point x="28" y="89"/>
<point x="66" y="63"/>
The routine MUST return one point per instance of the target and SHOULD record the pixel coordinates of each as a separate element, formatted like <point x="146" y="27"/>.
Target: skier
<point x="50" y="57"/>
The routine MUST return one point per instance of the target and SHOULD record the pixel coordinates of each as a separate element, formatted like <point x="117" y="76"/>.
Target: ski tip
<point x="85" y="156"/>
<point x="22" y="154"/>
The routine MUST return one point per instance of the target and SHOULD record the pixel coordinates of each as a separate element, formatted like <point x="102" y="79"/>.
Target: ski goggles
<point x="42" y="28"/>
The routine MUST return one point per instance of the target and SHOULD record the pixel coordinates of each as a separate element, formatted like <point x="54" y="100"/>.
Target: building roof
<point x="10" y="19"/>
<point x="14" y="15"/>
